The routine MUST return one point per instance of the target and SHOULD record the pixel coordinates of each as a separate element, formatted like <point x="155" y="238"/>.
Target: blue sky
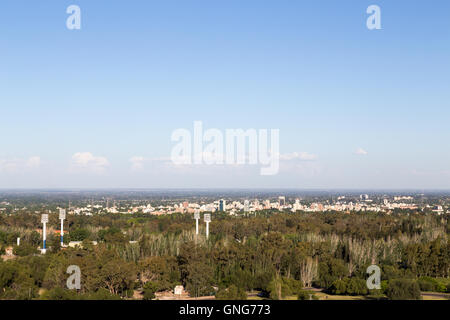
<point x="77" y="105"/>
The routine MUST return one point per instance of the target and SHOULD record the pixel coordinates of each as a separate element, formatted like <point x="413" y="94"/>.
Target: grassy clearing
<point x="320" y="295"/>
<point x="426" y="297"/>
<point x="325" y="296"/>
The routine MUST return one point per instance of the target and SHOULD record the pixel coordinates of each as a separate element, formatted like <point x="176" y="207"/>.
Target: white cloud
<point x="8" y="166"/>
<point x="33" y="162"/>
<point x="361" y="151"/>
<point x="86" y="161"/>
<point x="303" y="156"/>
<point x="17" y="165"/>
<point x="302" y="163"/>
<point x="303" y="168"/>
<point x="137" y="163"/>
<point x="209" y="160"/>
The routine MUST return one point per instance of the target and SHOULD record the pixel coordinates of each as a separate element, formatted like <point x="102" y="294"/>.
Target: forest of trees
<point x="278" y="254"/>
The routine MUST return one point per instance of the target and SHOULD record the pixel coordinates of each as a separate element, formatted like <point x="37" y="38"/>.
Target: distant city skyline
<point x="96" y="107"/>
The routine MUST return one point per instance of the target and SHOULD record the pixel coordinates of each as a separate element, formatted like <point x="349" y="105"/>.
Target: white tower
<point x="207" y="220"/>
<point x="196" y="217"/>
<point x="44" y="220"/>
<point x="62" y="216"/>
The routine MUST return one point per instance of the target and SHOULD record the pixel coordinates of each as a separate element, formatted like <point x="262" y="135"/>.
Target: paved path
<point x="436" y="294"/>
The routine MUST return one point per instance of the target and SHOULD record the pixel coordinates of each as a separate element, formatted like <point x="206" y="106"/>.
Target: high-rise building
<point x="246" y="205"/>
<point x="281" y="201"/>
<point x="297" y="205"/>
<point x="222" y="205"/>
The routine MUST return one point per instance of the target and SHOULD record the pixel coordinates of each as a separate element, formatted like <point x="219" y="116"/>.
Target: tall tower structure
<point x="44" y="220"/>
<point x="62" y="217"/>
<point x="196" y="217"/>
<point x="281" y="201"/>
<point x="222" y="205"/>
<point x="207" y="218"/>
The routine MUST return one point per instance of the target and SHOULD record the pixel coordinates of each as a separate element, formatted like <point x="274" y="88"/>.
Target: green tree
<point x="100" y="294"/>
<point x="231" y="293"/>
<point x="59" y="293"/>
<point x="331" y="270"/>
<point x="25" y="249"/>
<point x="279" y="289"/>
<point x="357" y="287"/>
<point x="149" y="290"/>
<point x="79" y="234"/>
<point x="199" y="280"/>
<point x="403" y="289"/>
<point x="118" y="276"/>
<point x="339" y="287"/>
<point x="306" y="295"/>
<point x="16" y="281"/>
